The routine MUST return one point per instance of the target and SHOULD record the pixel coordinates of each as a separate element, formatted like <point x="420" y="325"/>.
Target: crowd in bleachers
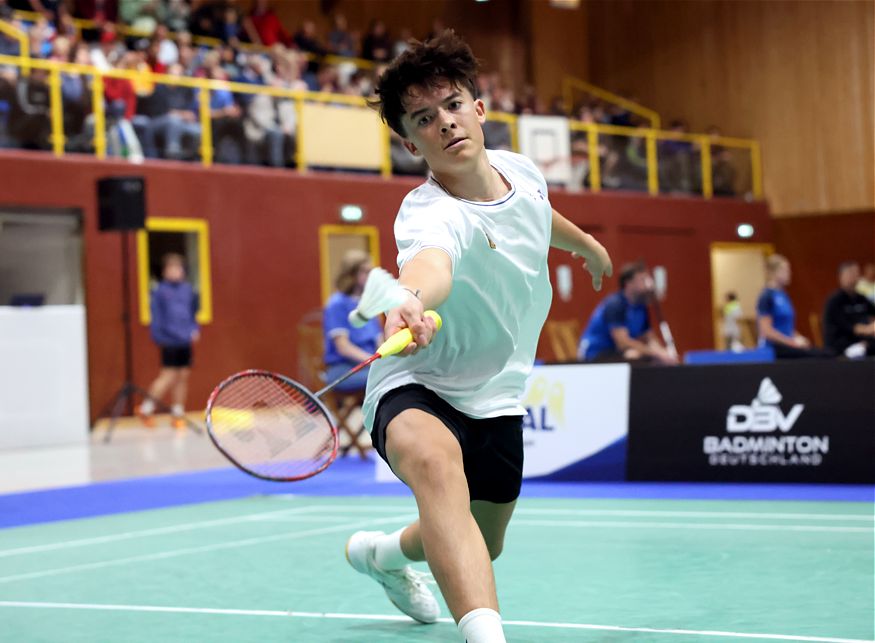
<point x="219" y="39"/>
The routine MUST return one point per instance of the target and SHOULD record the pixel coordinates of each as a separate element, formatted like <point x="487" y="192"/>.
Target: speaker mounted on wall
<point x="121" y="203"/>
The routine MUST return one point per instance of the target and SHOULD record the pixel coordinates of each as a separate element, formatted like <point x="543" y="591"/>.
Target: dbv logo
<point x="764" y="415"/>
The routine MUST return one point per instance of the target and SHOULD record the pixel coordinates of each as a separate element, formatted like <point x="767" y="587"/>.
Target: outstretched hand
<point x="597" y="263"/>
<point x="410" y="315"/>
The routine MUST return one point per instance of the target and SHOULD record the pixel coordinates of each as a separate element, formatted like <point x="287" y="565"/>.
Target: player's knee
<point x="430" y="469"/>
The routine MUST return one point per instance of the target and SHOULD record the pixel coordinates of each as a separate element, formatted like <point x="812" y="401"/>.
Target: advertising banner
<point x="575" y="428"/>
<point x="800" y="421"/>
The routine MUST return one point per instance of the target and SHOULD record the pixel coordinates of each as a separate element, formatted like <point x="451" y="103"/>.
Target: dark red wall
<point x="265" y="255"/>
<point x="815" y="246"/>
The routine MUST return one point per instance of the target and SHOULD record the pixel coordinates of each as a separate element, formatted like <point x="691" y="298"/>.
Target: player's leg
<point x="178" y="395"/>
<point x="492" y="519"/>
<point x="158" y="388"/>
<point x="428" y="458"/>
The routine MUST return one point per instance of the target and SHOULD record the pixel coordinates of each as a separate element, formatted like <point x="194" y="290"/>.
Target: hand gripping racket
<point x="273" y="428"/>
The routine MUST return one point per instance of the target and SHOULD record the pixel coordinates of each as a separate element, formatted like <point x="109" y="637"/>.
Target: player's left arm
<point x="567" y="236"/>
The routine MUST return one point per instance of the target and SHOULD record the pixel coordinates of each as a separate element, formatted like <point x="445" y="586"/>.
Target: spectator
<point x="174" y="305"/>
<point x="848" y="317"/>
<point x="230" y="28"/>
<point x="776" y="317"/>
<point x="675" y="161"/>
<point x="731" y="330"/>
<point x="632" y="168"/>
<point x="264" y="27"/>
<point x="307" y="40"/>
<point x="340" y="40"/>
<point x="172" y="117"/>
<point x="402" y="44"/>
<point x="722" y="169"/>
<point x="205" y="17"/>
<point x="228" y="137"/>
<point x="346" y="346"/>
<point x="29" y="121"/>
<point x="76" y="95"/>
<point x="377" y="45"/>
<point x="619" y="329"/>
<point x="264" y="136"/>
<point x="866" y="285"/>
<point x="176" y="15"/>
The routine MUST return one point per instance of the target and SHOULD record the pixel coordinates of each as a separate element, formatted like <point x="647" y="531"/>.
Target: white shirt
<point x="479" y="361"/>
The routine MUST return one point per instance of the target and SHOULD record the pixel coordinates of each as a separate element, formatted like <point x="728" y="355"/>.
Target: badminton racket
<point x="658" y="285"/>
<point x="274" y="428"/>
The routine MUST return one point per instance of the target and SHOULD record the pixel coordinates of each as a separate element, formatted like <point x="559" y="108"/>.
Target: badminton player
<point x="472" y="243"/>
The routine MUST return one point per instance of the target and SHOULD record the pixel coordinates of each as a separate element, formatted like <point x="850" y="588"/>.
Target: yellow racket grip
<point x="399" y="341"/>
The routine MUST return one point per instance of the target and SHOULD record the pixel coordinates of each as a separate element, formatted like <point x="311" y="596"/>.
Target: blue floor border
<point x="353" y="477"/>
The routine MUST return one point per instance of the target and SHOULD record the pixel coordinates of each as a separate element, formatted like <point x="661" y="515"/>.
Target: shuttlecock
<point x="381" y="293"/>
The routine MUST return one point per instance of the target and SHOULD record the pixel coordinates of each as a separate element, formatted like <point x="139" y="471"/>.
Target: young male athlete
<point x="472" y="243"/>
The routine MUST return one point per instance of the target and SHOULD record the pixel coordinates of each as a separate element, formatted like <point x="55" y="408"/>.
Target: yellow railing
<point x="23" y="44"/>
<point x="651" y="136"/>
<point x="593" y="131"/>
<point x="569" y="84"/>
<point x="56" y="68"/>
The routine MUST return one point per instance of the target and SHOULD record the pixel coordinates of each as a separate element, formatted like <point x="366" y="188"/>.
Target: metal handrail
<point x="206" y="85"/>
<point x="23" y="44"/>
<point x="705" y="141"/>
<point x="570" y="83"/>
<point x="593" y="130"/>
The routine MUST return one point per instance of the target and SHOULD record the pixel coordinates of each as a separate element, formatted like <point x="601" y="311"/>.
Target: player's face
<point x="174" y="271"/>
<point x="443" y="124"/>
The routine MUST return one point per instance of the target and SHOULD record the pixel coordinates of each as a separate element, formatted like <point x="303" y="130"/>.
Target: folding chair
<point x="311" y="373"/>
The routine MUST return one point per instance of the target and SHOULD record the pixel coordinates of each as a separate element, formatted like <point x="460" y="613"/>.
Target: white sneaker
<point x="406" y="588"/>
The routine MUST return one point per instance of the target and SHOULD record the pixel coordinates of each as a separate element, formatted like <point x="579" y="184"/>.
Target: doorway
<point x="738" y="268"/>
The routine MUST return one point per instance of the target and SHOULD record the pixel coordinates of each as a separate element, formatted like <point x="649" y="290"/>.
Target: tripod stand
<point x="123" y="400"/>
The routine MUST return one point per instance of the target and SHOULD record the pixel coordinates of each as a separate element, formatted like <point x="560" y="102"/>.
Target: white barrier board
<point x="574" y="412"/>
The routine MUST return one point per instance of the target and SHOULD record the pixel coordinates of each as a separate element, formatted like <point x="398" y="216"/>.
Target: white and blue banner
<point x="576" y="426"/>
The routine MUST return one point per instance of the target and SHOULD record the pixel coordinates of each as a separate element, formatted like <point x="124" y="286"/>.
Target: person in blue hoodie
<point x="174" y="305"/>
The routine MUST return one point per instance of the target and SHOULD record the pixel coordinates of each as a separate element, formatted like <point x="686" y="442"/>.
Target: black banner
<point x="799" y="421"/>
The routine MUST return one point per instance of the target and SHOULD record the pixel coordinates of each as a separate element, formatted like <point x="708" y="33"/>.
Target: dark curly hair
<point x="445" y="57"/>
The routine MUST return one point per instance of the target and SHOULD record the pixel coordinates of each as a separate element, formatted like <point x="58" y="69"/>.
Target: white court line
<point x="396" y="618"/>
<point x="157" y="531"/>
<point x="694" y="514"/>
<point x="631" y="513"/>
<point x="205" y="548"/>
<point x="728" y="526"/>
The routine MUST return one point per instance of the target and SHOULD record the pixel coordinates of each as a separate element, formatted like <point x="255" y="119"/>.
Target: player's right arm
<point x="428" y="277"/>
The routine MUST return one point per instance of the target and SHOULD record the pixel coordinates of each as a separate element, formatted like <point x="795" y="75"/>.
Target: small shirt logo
<point x="491" y="242"/>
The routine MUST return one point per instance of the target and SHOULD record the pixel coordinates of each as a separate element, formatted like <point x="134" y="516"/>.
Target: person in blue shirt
<point x="619" y="329"/>
<point x="346" y="346"/>
<point x="174" y="305"/>
<point x="776" y="317"/>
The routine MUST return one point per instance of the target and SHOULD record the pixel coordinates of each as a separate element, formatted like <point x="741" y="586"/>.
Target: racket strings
<point x="271" y="428"/>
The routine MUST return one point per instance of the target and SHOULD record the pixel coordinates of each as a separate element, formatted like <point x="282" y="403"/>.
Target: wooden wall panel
<point x="265" y="258"/>
<point x="796" y="75"/>
<point x="815" y="246"/>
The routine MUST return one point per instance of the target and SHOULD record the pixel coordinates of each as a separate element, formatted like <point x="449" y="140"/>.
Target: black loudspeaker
<point x="121" y="203"/>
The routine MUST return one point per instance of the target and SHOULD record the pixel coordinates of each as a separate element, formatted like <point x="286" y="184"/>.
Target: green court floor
<point x="272" y="569"/>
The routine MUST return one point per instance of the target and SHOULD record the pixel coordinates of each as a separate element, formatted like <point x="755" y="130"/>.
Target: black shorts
<point x="176" y="356"/>
<point x="492" y="448"/>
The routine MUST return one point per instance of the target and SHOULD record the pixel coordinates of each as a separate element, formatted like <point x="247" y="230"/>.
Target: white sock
<point x="147" y="407"/>
<point x="177" y="410"/>
<point x="482" y="625"/>
<point x="387" y="552"/>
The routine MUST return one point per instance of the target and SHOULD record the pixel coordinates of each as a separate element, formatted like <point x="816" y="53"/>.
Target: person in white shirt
<point x="447" y="418"/>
